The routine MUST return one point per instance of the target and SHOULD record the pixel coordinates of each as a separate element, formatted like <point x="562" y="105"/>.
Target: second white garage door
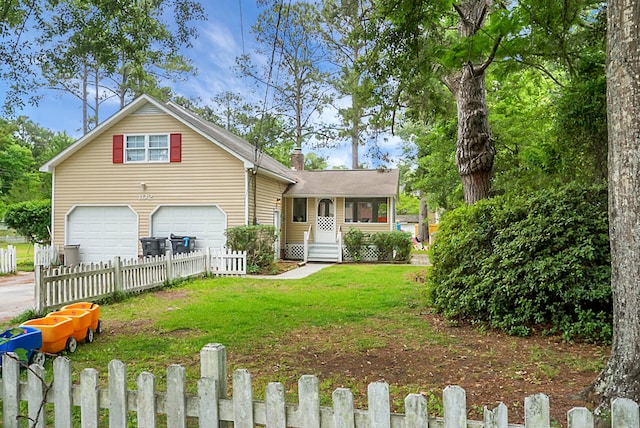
<point x="206" y="222"/>
<point x="103" y="232"/>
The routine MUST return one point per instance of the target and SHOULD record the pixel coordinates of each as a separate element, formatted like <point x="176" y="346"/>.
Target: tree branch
<point x="481" y="18"/>
<point x="461" y="14"/>
<point x="490" y="58"/>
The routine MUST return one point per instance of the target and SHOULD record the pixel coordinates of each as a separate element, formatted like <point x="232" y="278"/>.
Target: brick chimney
<point x="297" y="159"/>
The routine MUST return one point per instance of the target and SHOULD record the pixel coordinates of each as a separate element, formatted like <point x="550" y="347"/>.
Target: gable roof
<point x="353" y="183"/>
<point x="224" y="139"/>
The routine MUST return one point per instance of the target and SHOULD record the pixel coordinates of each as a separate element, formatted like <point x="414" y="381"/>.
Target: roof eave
<point x="63" y="155"/>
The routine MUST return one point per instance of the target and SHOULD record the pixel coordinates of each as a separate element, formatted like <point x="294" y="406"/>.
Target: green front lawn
<point x="153" y="330"/>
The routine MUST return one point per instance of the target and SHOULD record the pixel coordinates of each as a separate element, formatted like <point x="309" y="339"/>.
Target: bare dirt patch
<point x="171" y="294"/>
<point x="491" y="366"/>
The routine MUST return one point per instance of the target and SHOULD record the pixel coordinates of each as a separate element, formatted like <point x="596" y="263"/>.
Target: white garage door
<point x="103" y="232"/>
<point x="207" y="223"/>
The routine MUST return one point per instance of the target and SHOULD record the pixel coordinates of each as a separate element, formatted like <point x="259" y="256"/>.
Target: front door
<point x="326" y="221"/>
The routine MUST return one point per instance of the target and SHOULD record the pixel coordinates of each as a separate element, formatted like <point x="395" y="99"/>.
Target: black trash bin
<point x="152" y="247"/>
<point x="182" y="244"/>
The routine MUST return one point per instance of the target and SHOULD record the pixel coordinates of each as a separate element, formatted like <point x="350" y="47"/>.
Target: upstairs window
<point x="147" y="148"/>
<point x="299" y="210"/>
<point x="365" y="210"/>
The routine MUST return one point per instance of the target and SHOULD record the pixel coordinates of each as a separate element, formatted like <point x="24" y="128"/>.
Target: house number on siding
<point x="145" y="196"/>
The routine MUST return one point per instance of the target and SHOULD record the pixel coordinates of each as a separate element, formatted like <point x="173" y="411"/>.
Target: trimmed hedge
<point x="521" y="263"/>
<point x="391" y="246"/>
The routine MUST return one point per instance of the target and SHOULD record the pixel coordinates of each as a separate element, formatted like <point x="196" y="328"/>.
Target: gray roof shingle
<point x="343" y="182"/>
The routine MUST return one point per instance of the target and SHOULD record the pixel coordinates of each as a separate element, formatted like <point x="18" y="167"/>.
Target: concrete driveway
<point x="16" y="295"/>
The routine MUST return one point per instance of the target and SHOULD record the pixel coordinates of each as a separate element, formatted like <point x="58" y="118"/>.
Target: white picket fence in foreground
<point x="58" y="286"/>
<point x="8" y="260"/>
<point x="211" y="406"/>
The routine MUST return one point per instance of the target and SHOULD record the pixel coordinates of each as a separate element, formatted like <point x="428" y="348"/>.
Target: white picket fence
<point x="211" y="405"/>
<point x="57" y="286"/>
<point x="8" y="261"/>
<point x="45" y="255"/>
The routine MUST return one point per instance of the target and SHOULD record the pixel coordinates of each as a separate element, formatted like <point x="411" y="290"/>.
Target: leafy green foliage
<point x="389" y="243"/>
<point x="257" y="241"/>
<point x="355" y="240"/>
<point x="582" y="122"/>
<point x="407" y="204"/>
<point x="523" y="262"/>
<point x="31" y="219"/>
<point x="434" y="148"/>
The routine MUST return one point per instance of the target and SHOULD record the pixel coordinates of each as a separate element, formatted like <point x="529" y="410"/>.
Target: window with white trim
<point x="299" y="210"/>
<point x="147" y="148"/>
<point x="365" y="210"/>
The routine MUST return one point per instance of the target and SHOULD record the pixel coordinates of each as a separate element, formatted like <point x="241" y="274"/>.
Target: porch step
<point x="323" y="252"/>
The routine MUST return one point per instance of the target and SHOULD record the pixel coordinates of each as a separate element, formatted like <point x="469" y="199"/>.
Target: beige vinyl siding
<point x="295" y="231"/>
<point x="206" y="175"/>
<point x="269" y="191"/>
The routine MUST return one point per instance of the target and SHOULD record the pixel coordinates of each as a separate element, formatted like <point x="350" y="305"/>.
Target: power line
<point x="258" y="152"/>
<point x="241" y="27"/>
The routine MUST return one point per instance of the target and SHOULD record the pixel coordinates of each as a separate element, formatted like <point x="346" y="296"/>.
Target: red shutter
<point x="118" y="148"/>
<point x="175" y="148"/>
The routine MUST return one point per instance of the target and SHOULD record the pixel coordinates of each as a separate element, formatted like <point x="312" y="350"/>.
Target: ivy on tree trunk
<point x="474" y="147"/>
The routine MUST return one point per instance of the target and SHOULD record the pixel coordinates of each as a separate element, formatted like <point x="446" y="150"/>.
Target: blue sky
<point x="220" y="41"/>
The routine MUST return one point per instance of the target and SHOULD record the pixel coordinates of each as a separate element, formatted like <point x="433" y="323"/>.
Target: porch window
<point x="365" y="210"/>
<point x="147" y="148"/>
<point x="299" y="210"/>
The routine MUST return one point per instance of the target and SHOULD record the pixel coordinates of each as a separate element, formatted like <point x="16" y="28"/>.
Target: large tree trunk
<point x="474" y="148"/>
<point x="621" y="376"/>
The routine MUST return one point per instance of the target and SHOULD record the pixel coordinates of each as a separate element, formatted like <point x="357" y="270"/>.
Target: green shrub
<point x="519" y="263"/>
<point x="389" y="243"/>
<point x="257" y="241"/>
<point x="31" y="219"/>
<point x="355" y="240"/>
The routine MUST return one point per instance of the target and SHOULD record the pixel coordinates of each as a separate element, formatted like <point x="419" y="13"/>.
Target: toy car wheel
<point x="37" y="358"/>
<point x="99" y="327"/>
<point x="72" y="344"/>
<point x="89" y="338"/>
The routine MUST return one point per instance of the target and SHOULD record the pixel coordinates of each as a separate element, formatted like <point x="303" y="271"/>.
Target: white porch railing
<point x="8" y="260"/>
<point x="307" y="236"/>
<point x="339" y="241"/>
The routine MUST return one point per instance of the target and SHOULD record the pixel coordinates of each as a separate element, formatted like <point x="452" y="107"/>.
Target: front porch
<point x="313" y="228"/>
<point x="326" y="249"/>
<point x="324" y="205"/>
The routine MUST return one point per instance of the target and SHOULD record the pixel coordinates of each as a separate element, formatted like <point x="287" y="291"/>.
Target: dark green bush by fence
<point x="31" y="219"/>
<point x="355" y="241"/>
<point x="257" y="241"/>
<point x="391" y="246"/>
<point x="521" y="263"/>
